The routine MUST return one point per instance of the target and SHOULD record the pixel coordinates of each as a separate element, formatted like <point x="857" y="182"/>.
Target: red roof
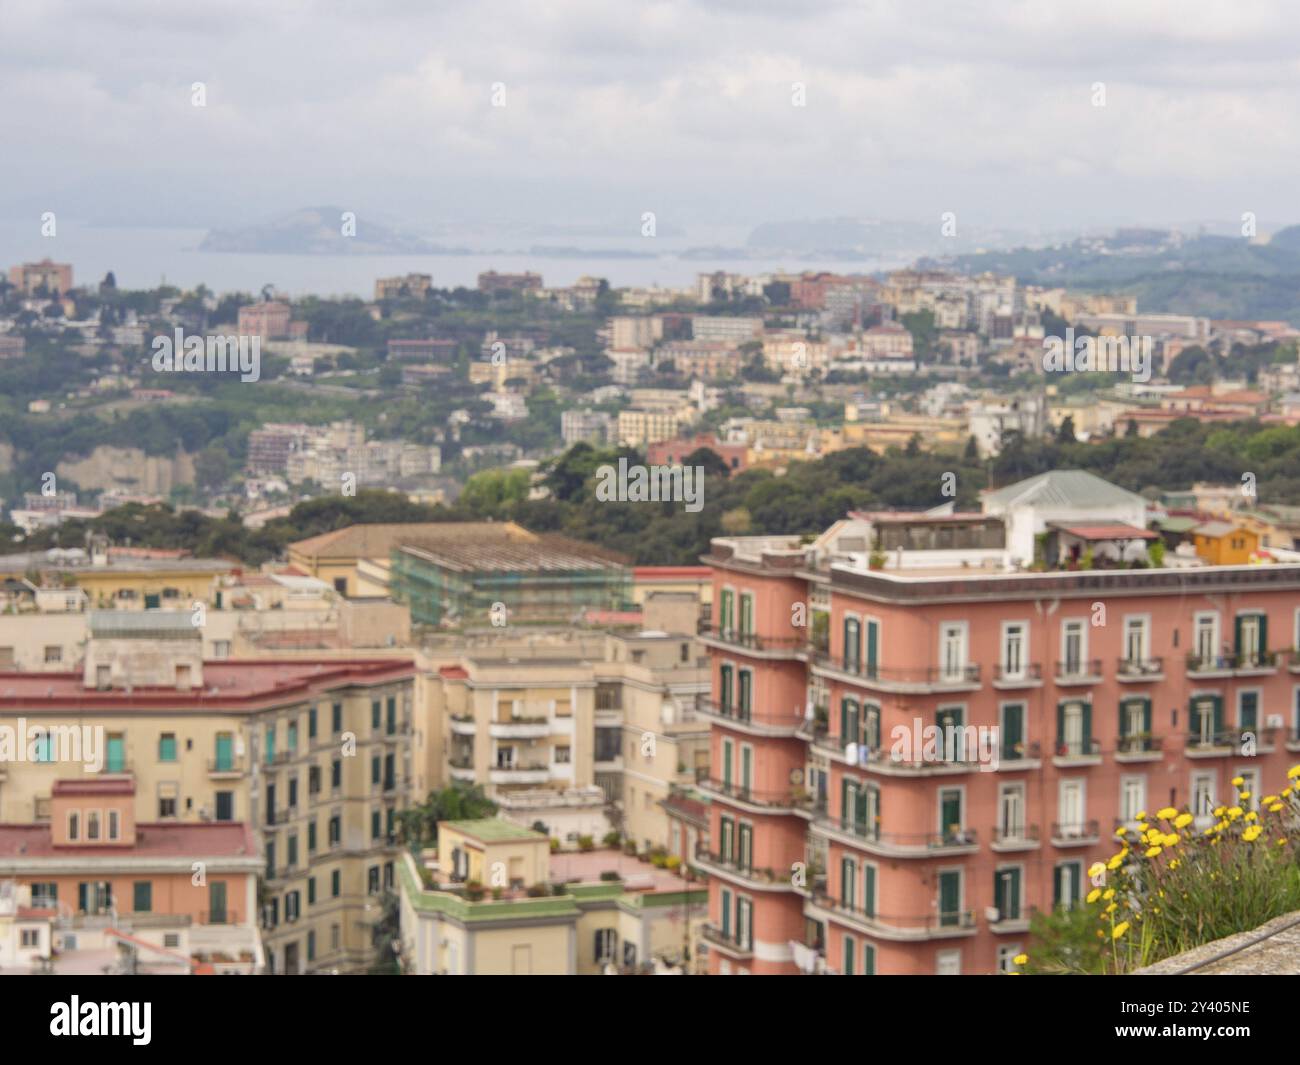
<point x="203" y="839"/>
<point x="454" y="672"/>
<point x="226" y="684"/>
<point x="670" y="573"/>
<point x="1113" y="531"/>
<point x="107" y="786"/>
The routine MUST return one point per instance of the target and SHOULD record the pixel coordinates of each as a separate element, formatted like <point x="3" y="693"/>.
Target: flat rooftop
<point x="205" y="839"/>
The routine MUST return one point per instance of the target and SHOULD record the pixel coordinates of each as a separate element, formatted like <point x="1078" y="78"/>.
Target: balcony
<point x="1075" y="833"/>
<point x="1080" y="671"/>
<point x="869" y="838"/>
<point x="519" y="774"/>
<point x="920" y="681"/>
<point x="781" y="800"/>
<point x="1139" y="670"/>
<point x="728" y="942"/>
<point x="878" y="759"/>
<point x="1242" y="663"/>
<point x="728" y="868"/>
<point x="463" y="725"/>
<point x="1245" y="743"/>
<point x="520" y="728"/>
<point x="1014" y="756"/>
<point x="751" y="643"/>
<point x="1073" y="753"/>
<point x="1293" y="739"/>
<point x="1015" y="923"/>
<point x="1015" y="838"/>
<point x="1030" y="675"/>
<point x="896" y="928"/>
<point x="744" y="719"/>
<point x="1139" y="747"/>
<point x="223" y="769"/>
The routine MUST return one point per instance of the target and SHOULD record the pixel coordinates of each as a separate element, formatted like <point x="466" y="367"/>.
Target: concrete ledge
<point x="1277" y="955"/>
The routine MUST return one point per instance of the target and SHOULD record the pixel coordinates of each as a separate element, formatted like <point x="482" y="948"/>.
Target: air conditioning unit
<point x="992" y="914"/>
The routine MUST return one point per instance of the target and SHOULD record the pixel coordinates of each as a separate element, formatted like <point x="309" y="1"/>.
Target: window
<point x="53" y="654"/>
<point x="375" y="824"/>
<point x="391" y="715"/>
<point x="1250" y="786"/>
<point x="952" y="650"/>
<point x="1011" y="812"/>
<point x="1206" y="639"/>
<point x="1132" y="798"/>
<point x="225" y="801"/>
<point x="167" y="747"/>
<point x="1203" y="791"/>
<point x="336" y="774"/>
<point x="1248" y="711"/>
<point x="948" y="963"/>
<point x="1068" y="887"/>
<point x="1206" y="719"/>
<point x="44" y="746"/>
<point x="311" y="890"/>
<point x="1070" y="811"/>
<point x="949" y="901"/>
<point x="334" y="884"/>
<point x="746" y="614"/>
<point x="372" y="880"/>
<point x="1006" y="957"/>
<point x="606" y="944"/>
<point x="951" y="821"/>
<point x="1135" y="724"/>
<point x="852" y="644"/>
<point x="31" y="938"/>
<point x="92" y="825"/>
<point x="143" y="896"/>
<point x="850" y="955"/>
<point x="563" y="755"/>
<point x="1074" y="728"/>
<point x="336" y="718"/>
<point x="292" y="858"/>
<point x="1074" y="646"/>
<point x="1136" y="641"/>
<point x="115" y="762"/>
<point x="1013" y="650"/>
<point x="376" y="710"/>
<point x="114" y="824"/>
<point x="45" y="896"/>
<point x="374" y="769"/>
<point x="225" y="753"/>
<point x="220" y="648"/>
<point x="1013" y="731"/>
<point x="311" y="723"/>
<point x="311" y="836"/>
<point x="74" y="824"/>
<point x="1251" y="639"/>
<point x="1007" y="883"/>
<point x="336" y="828"/>
<point x="726" y="611"/>
<point x="313" y="780"/>
<point x="270" y="743"/>
<point x="292" y="737"/>
<point x="311" y="945"/>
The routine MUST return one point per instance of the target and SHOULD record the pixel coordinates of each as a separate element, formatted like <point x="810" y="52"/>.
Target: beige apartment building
<point x="584" y="733"/>
<point x="637" y="428"/>
<point x="311" y="752"/>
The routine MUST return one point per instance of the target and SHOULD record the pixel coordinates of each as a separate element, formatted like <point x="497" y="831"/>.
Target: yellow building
<point x="1223" y="543"/>
<point x="636" y="428"/>
<point x="311" y="752"/>
<point x="494" y="901"/>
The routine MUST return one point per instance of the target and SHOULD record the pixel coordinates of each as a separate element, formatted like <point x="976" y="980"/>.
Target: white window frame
<point x="1023" y="671"/>
<point x="960" y="629"/>
<point x="1068" y="626"/>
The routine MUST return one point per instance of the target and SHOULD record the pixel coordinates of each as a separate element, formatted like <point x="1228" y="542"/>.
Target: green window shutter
<point x="999" y="900"/>
<point x="1058" y="887"/>
<point x="726" y="912"/>
<point x="143" y="896"/>
<point x="868" y="959"/>
<point x="746" y="690"/>
<point x="1087" y="725"/>
<point x="846" y="800"/>
<point x="873" y="640"/>
<point x="725" y="678"/>
<point x="1263" y="633"/>
<point x="852" y="644"/>
<point x="1146" y="716"/>
<point x="116" y="754"/>
<point x="1013" y="726"/>
<point x="847" y="886"/>
<point x="869" y="890"/>
<point x="1060" y="723"/>
<point x="727" y="759"/>
<point x="848" y="956"/>
<point x="1218" y="714"/>
<point x="1249" y="710"/>
<point x="1236" y="634"/>
<point x="83" y="892"/>
<point x="1013" y="894"/>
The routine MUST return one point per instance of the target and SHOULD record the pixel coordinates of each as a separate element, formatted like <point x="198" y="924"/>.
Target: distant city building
<point x="412" y="286"/>
<point x="585" y="426"/>
<point x="422" y="350"/>
<point x="50" y="277"/>
<point x="268" y="320"/>
<point x="12" y="346"/>
<point x="492" y="282"/>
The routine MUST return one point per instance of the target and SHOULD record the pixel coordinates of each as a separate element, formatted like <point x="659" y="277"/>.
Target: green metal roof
<point x="1071" y="488"/>
<point x="493" y="830"/>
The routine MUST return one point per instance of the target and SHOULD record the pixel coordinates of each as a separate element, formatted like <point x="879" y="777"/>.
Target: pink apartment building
<point x="1112" y="692"/>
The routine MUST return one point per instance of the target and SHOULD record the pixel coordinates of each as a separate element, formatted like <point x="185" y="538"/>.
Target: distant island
<point x="320" y="231"/>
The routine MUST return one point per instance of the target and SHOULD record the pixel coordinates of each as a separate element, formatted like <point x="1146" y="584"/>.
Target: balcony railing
<point x="931" y="675"/>
<point x="775" y="798"/>
<point x="1139" y="743"/>
<point x="1077" y="748"/>
<point x="1075" y="831"/>
<point x="751" y="640"/>
<point x="1028" y="673"/>
<point x="730" y="939"/>
<point x="919" y="924"/>
<point x="1015" y="834"/>
<point x="1137" y="668"/>
<point x="222" y="765"/>
<point x="956" y="837"/>
<point x="1021" y="751"/>
<point x="746" y="715"/>
<point x="746" y="869"/>
<point x="1198" y="663"/>
<point x="1078" y="669"/>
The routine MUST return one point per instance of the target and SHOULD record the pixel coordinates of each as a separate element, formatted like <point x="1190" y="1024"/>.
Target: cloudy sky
<point x="684" y="107"/>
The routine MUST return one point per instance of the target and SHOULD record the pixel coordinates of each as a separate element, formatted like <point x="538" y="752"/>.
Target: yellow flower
<point x="1108" y="894"/>
<point x="1096" y="869"/>
<point x="1268" y="799"/>
<point x="1115" y="862"/>
<point x="1142" y="814"/>
<point x="1238" y="781"/>
<point x="1120" y="832"/>
<point x="1153" y="851"/>
<point x="1282" y="842"/>
<point x="1252" y="833"/>
<point x="1234" y="812"/>
<point x="1219" y="811"/>
<point x="1119" y="930"/>
<point x="1277" y="807"/>
<point x="1172" y="865"/>
<point x="1020" y="959"/>
<point x="1293" y="773"/>
<point x="1111" y="908"/>
<point x="1286" y="791"/>
<point x="1167" y="813"/>
<point x="1171" y="840"/>
<point x="1094" y="894"/>
<point x="1252" y="816"/>
<point x="1182" y="820"/>
<point x="1244" y="796"/>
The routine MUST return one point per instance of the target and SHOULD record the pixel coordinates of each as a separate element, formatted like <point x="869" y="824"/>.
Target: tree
<point x="710" y="460"/>
<point x="1065" y="432"/>
<point x="418" y="825"/>
<point x="972" y="452"/>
